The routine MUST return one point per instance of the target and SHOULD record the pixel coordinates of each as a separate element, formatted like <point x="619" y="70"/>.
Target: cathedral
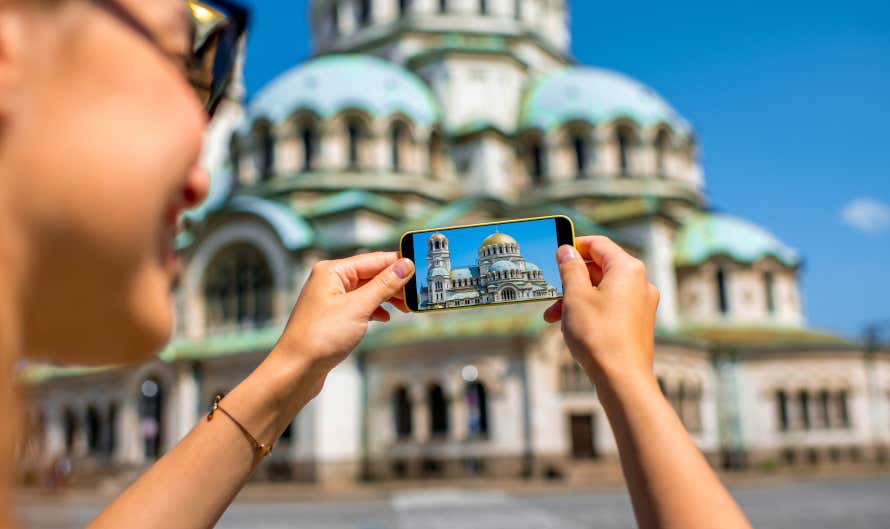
<point x="500" y="275"/>
<point x="419" y="114"/>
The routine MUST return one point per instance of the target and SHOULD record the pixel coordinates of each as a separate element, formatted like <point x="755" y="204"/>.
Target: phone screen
<point x="505" y="262"/>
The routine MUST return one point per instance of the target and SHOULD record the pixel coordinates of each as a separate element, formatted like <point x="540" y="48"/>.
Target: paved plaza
<point x="836" y="504"/>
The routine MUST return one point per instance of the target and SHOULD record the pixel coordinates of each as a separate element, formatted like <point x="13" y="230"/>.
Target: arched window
<point x="443" y="6"/>
<point x="401" y="410"/>
<point x="537" y="161"/>
<point x="625" y="142"/>
<point x="803" y="399"/>
<point x="398" y="139"/>
<point x="72" y="428"/>
<point x="508" y="294"/>
<point x="404" y="6"/>
<point x="483" y="7"/>
<point x="94" y="431"/>
<point x="309" y="139"/>
<point x="353" y="141"/>
<point x="111" y="431"/>
<point x="722" y="299"/>
<point x="238" y="288"/>
<point x="364" y="13"/>
<point x="151" y="403"/>
<point x="662" y="147"/>
<point x="580" y="146"/>
<point x="265" y="156"/>
<point x="517" y="9"/>
<point x="768" y="283"/>
<point x="782" y="410"/>
<point x="438" y="405"/>
<point x="477" y="409"/>
<point x="824" y="409"/>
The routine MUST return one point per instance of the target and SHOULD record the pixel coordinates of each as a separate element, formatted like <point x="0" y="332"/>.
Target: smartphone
<point x="479" y="265"/>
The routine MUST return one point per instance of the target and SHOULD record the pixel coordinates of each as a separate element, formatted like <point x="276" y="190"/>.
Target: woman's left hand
<point x="337" y="302"/>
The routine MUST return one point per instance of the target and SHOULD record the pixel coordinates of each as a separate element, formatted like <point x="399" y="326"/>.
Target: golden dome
<point x="497" y="239"/>
<point x="438" y="237"/>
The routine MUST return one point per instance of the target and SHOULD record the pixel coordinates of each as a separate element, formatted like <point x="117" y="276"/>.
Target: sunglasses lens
<point x="216" y="31"/>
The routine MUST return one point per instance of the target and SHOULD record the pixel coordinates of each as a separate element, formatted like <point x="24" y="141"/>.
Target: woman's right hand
<point x="607" y="311"/>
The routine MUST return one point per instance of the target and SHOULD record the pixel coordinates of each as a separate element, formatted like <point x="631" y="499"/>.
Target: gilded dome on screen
<point x="497" y="239"/>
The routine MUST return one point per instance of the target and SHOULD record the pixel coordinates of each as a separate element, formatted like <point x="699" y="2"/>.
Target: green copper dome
<point x="334" y="83"/>
<point x="595" y="95"/>
<point x="706" y="235"/>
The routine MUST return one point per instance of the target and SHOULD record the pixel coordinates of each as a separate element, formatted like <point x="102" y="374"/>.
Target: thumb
<point x="575" y="278"/>
<point x="384" y="285"/>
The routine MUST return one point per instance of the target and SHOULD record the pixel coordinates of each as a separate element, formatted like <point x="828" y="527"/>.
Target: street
<point x="838" y="504"/>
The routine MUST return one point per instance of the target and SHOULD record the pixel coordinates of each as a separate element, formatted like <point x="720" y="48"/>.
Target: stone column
<point x="129" y="449"/>
<point x="420" y="413"/>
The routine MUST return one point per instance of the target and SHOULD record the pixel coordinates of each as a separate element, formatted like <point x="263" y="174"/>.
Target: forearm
<point x="193" y="484"/>
<point x="670" y="482"/>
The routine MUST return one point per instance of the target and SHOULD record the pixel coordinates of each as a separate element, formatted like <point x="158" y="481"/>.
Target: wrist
<point x="615" y="385"/>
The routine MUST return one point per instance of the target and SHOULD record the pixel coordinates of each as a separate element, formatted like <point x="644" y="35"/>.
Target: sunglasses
<point x="216" y="29"/>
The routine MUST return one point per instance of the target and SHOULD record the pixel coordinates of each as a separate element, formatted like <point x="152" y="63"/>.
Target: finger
<point x="380" y="314"/>
<point x="554" y="312"/>
<point x="399" y="304"/>
<point x="575" y="278"/>
<point x="386" y="285"/>
<point x="595" y="273"/>
<point x="353" y="271"/>
<point x="602" y="250"/>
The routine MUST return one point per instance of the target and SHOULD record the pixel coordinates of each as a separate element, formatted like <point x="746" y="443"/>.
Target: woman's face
<point x="100" y="135"/>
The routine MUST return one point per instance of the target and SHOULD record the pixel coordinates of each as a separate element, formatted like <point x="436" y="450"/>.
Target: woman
<point x="86" y="228"/>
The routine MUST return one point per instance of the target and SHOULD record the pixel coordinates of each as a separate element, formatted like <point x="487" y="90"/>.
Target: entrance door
<point x="581" y="426"/>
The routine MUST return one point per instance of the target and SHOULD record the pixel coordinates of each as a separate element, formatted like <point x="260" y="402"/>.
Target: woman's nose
<point x="196" y="187"/>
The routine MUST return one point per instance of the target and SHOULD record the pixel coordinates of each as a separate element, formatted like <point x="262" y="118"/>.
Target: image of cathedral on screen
<point x="500" y="275"/>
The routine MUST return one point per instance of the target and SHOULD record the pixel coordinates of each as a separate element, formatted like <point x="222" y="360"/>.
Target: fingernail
<point x="402" y="268"/>
<point x="565" y="254"/>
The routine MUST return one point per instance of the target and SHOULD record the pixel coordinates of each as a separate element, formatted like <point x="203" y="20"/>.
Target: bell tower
<point x="438" y="255"/>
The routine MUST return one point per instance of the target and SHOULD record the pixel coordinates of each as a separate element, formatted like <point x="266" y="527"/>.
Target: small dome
<point x="595" y="95"/>
<point x="503" y="266"/>
<point x="706" y="235"/>
<point x="530" y="267"/>
<point x="334" y="83"/>
<point x="438" y="272"/>
<point x="438" y="237"/>
<point x="497" y="239"/>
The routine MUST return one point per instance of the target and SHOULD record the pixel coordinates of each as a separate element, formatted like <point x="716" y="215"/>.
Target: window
<point x="335" y="19"/>
<point x="443" y="6"/>
<point x="308" y="136"/>
<point x="71" y="427"/>
<point x="265" y="161"/>
<point x="803" y="399"/>
<point x="624" y="146"/>
<point x="843" y="409"/>
<point x="662" y="144"/>
<point x="477" y="409"/>
<point x="151" y="402"/>
<point x="579" y="146"/>
<point x="508" y="294"/>
<point x="537" y="162"/>
<point x="483" y="7"/>
<point x="722" y="300"/>
<point x="111" y="430"/>
<point x="517" y="9"/>
<point x="94" y="431"/>
<point x="438" y="406"/>
<point x="404" y="6"/>
<point x="238" y="288"/>
<point x="398" y="136"/>
<point x="353" y="138"/>
<point x="782" y="410"/>
<point x="401" y="405"/>
<point x="824" y="409"/>
<point x="363" y="15"/>
<point x="769" y="285"/>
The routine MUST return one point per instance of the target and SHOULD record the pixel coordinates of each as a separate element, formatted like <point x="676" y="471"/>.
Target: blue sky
<point x="791" y="104"/>
<point x="536" y="238"/>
